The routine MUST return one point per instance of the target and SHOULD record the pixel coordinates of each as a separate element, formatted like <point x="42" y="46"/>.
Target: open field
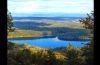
<point x="53" y="23"/>
<point x="26" y="33"/>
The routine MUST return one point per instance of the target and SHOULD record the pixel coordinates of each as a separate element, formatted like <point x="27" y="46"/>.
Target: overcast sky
<point x="50" y="6"/>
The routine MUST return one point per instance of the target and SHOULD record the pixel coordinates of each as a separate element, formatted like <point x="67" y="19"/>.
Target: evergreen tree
<point x="9" y="22"/>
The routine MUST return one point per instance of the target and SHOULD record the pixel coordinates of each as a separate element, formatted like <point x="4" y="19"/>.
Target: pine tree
<point x="9" y="22"/>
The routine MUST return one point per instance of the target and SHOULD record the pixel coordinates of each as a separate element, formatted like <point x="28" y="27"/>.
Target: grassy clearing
<point x="66" y="24"/>
<point x="26" y="33"/>
<point x="53" y="23"/>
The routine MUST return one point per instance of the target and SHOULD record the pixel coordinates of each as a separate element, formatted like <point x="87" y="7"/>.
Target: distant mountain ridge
<point x="47" y="18"/>
<point x="48" y="15"/>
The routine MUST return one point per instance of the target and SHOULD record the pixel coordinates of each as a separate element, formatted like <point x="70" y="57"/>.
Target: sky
<point x="47" y="7"/>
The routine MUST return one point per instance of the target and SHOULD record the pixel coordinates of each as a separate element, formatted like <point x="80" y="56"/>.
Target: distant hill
<point x="47" y="18"/>
<point x="48" y="15"/>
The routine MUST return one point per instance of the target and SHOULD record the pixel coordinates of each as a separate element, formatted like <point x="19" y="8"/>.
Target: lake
<point x="48" y="42"/>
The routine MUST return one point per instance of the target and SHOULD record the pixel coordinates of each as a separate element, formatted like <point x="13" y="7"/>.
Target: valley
<point x="65" y="30"/>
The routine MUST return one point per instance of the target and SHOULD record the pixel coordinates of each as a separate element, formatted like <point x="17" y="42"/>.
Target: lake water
<point x="48" y="42"/>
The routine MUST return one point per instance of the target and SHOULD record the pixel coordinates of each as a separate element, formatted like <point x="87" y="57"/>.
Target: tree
<point x="88" y="49"/>
<point x="88" y="23"/>
<point x="74" y="55"/>
<point x="9" y="22"/>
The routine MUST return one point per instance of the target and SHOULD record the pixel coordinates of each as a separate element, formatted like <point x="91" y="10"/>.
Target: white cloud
<point x="68" y="6"/>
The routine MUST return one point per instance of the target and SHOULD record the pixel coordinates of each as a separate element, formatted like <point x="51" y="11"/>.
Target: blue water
<point x="47" y="18"/>
<point x="49" y="42"/>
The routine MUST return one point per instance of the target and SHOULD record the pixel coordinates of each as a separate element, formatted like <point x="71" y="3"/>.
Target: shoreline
<point x="26" y="38"/>
<point x="46" y="20"/>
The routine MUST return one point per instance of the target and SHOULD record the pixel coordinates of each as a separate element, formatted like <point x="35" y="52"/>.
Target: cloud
<point x="68" y="6"/>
